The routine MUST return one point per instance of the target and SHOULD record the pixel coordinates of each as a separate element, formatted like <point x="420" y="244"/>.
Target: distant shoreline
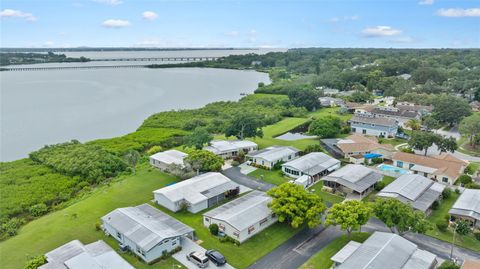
<point x="2" y="50"/>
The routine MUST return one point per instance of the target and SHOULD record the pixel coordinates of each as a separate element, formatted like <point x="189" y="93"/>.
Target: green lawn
<point x="321" y="260"/>
<point x="78" y="220"/>
<point x="238" y="256"/>
<point x="467" y="241"/>
<point x="327" y="197"/>
<point x="271" y="176"/>
<point x="330" y="111"/>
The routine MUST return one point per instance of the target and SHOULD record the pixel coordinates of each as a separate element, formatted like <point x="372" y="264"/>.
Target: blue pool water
<point x="392" y="169"/>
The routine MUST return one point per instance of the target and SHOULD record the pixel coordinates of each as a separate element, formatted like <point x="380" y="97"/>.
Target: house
<point x="75" y="255"/>
<point x="329" y="91"/>
<point x="230" y="148"/>
<point x="387" y="100"/>
<point x="331" y="102"/>
<point x="197" y="193"/>
<point x="467" y="207"/>
<point x="371" y="125"/>
<point x="445" y="167"/>
<point x="243" y="217"/>
<point x="272" y="155"/>
<point x="353" y="179"/>
<point x="415" y="190"/>
<point x="163" y="159"/>
<point x="315" y="165"/>
<point x="304" y="181"/>
<point x="357" y="144"/>
<point x="146" y="231"/>
<point x="384" y="250"/>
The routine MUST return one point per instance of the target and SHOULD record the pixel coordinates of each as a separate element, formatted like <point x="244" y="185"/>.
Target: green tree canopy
<point x="325" y="127"/>
<point x="450" y="109"/>
<point x="349" y="215"/>
<point x="305" y="97"/>
<point x="245" y="125"/>
<point x="470" y="127"/>
<point x="422" y="140"/>
<point x="198" y="138"/>
<point x="204" y="160"/>
<point x="294" y="205"/>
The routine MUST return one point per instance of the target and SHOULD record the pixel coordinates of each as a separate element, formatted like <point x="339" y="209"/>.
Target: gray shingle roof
<point x="312" y="163"/>
<point x="244" y="211"/>
<point x="374" y="120"/>
<point x="386" y="250"/>
<point x="414" y="189"/>
<point x="145" y="225"/>
<point x="355" y="177"/>
<point x="273" y="153"/>
<point x="468" y="204"/>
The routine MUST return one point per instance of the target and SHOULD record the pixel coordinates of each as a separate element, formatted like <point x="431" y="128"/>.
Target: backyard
<point x="327" y="197"/>
<point x="271" y="176"/>
<point x="321" y="260"/>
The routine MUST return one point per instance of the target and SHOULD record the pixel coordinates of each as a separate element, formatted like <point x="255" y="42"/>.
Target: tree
<point x="413" y="124"/>
<point x="131" y="158"/>
<point x="399" y="217"/>
<point x="431" y="123"/>
<point x="448" y="265"/>
<point x="360" y="97"/>
<point x="198" y="138"/>
<point x="450" y="109"/>
<point x="35" y="262"/>
<point x="350" y="215"/>
<point x="305" y="97"/>
<point x="244" y="125"/>
<point x="422" y="141"/>
<point x="325" y="127"/>
<point x="462" y="227"/>
<point x="470" y="127"/>
<point x="445" y="144"/>
<point x="293" y="204"/>
<point x="204" y="160"/>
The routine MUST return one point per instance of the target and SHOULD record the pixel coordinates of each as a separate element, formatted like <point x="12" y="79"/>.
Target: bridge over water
<point x="159" y="59"/>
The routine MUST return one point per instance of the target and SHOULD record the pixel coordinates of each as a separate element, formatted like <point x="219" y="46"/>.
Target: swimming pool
<point x="392" y="169"/>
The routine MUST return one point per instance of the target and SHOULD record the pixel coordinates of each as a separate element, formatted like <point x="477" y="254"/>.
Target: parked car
<point x="216" y="257"/>
<point x="198" y="259"/>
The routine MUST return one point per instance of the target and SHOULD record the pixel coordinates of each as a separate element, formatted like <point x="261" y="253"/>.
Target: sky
<point x="245" y="23"/>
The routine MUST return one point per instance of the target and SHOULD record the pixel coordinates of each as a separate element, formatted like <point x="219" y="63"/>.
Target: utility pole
<point x="453" y="242"/>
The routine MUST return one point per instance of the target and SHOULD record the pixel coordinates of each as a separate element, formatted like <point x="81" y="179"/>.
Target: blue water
<point x="391" y="168"/>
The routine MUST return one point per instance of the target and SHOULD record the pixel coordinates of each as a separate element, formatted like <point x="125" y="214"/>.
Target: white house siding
<point x="268" y="164"/>
<point x="368" y="130"/>
<point x="160" y="199"/>
<point x="158" y="164"/>
<point x="195" y="208"/>
<point x="243" y="235"/>
<point x="439" y="178"/>
<point x="292" y="172"/>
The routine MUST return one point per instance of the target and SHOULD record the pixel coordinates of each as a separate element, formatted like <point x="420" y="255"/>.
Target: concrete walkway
<point x="189" y="246"/>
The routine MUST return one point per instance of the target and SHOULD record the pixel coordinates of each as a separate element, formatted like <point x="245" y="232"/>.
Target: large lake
<point x="45" y="107"/>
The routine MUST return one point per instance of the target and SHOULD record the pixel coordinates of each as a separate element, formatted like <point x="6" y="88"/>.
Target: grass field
<point x="271" y="176"/>
<point x="327" y="197"/>
<point x="467" y="241"/>
<point x="78" y="220"/>
<point x="238" y="256"/>
<point x="321" y="260"/>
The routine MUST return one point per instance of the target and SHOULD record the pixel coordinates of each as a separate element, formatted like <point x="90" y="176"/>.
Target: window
<point x="354" y="130"/>
<point x="236" y="234"/>
<point x="221" y="226"/>
<point x="174" y="243"/>
<point x="364" y="131"/>
<point x="410" y="165"/>
<point x="263" y="221"/>
<point x="444" y="179"/>
<point x="119" y="235"/>
<point x="399" y="164"/>
<point x="251" y="229"/>
<point x="207" y="219"/>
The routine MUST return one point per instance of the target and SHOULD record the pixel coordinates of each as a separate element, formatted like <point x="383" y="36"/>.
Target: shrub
<point x="448" y="265"/>
<point x="407" y="150"/>
<point x="278" y="166"/>
<point x="235" y="163"/>
<point x="153" y="150"/>
<point x="477" y="235"/>
<point x="435" y="205"/>
<point x="465" y="179"/>
<point x="36" y="262"/>
<point x="442" y="226"/>
<point x="470" y="169"/>
<point x="377" y="160"/>
<point x="10" y="227"/>
<point x="380" y="185"/>
<point x="98" y="226"/>
<point x="38" y="210"/>
<point x="213" y="229"/>
<point x="313" y="148"/>
<point x="447" y="192"/>
<point x="457" y="191"/>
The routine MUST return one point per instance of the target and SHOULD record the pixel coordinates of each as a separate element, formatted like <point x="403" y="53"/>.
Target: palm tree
<point x="413" y="124"/>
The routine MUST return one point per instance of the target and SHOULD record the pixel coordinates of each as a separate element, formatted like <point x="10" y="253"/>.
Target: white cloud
<point x="109" y="2"/>
<point x="11" y="13"/>
<point x="426" y="2"/>
<point x="344" y="18"/>
<point x="113" y="23"/>
<point x="232" y="33"/>
<point x="380" y="31"/>
<point x="149" y="15"/>
<point x="459" y="12"/>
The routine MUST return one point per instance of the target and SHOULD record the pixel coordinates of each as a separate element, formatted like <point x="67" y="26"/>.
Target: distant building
<point x="163" y="159"/>
<point x="331" y="102"/>
<point x="315" y="165"/>
<point x="146" y="231"/>
<point x="243" y="217"/>
<point x="357" y="144"/>
<point x="197" y="193"/>
<point x="370" y="125"/>
<point x="405" y="76"/>
<point x="415" y="190"/>
<point x="384" y="250"/>
<point x="329" y="91"/>
<point x="444" y="168"/>
<point x="270" y="156"/>
<point x="75" y="255"/>
<point x="467" y="207"/>
<point x="231" y="148"/>
<point x="353" y="178"/>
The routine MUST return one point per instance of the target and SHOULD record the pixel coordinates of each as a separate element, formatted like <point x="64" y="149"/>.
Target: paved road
<point x="253" y="183"/>
<point x="433" y="150"/>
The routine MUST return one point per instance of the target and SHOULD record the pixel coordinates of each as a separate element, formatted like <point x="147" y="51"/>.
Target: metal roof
<point x="170" y="156"/>
<point x="75" y="255"/>
<point x="354" y="176"/>
<point x="312" y="163"/>
<point x="373" y="120"/>
<point x="468" y="204"/>
<point x="222" y="146"/>
<point x="345" y="252"/>
<point x="386" y="250"/>
<point x="194" y="190"/>
<point x="244" y="211"/>
<point x="145" y="225"/>
<point x="274" y="153"/>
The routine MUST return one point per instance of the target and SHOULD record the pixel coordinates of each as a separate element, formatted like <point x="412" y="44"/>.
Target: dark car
<point x="216" y="257"/>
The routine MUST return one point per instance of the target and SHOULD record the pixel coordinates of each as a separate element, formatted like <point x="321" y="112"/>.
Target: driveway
<point x="236" y="175"/>
<point x="246" y="169"/>
<point x="188" y="246"/>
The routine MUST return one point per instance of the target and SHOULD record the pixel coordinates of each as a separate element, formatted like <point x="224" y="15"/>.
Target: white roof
<point x="345" y="252"/>
<point x="75" y="255"/>
<point x="195" y="189"/>
<point x="424" y="169"/>
<point x="354" y="176"/>
<point x="170" y="156"/>
<point x="145" y="225"/>
<point x="468" y="204"/>
<point x="302" y="180"/>
<point x="274" y="153"/>
<point x="222" y="146"/>
<point x="312" y="163"/>
<point x="244" y="211"/>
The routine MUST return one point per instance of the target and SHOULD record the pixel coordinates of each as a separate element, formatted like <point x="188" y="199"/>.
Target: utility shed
<point x="387" y="250"/>
<point x="467" y="207"/>
<point x="415" y="190"/>
<point x="75" y="255"/>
